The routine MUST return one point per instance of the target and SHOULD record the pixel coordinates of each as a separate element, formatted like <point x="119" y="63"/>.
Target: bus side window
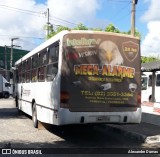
<point x="24" y="72"/>
<point x="41" y="73"/>
<point x="53" y="54"/>
<point x="19" y="73"/>
<point x="43" y="58"/>
<point x="158" y="80"/>
<point x="34" y="77"/>
<point x="52" y="70"/>
<point x="28" y="68"/>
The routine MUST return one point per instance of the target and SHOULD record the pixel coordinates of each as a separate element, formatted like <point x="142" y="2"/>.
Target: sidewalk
<point x="148" y="131"/>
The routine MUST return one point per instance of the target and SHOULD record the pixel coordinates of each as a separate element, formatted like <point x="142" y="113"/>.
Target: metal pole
<point x="5" y="61"/>
<point x="133" y="19"/>
<point x="11" y="57"/>
<point x="48" y="22"/>
<point x="153" y="86"/>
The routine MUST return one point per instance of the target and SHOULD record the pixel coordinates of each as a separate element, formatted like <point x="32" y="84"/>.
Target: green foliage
<point x="80" y="26"/>
<point x="112" y="28"/>
<point x="51" y="35"/>
<point x="149" y="59"/>
<point x="96" y="29"/>
<point x="137" y="34"/>
<point x="51" y="31"/>
<point x="61" y="28"/>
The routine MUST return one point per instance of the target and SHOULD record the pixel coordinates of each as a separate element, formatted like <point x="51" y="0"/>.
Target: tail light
<point x="139" y="99"/>
<point x="64" y="97"/>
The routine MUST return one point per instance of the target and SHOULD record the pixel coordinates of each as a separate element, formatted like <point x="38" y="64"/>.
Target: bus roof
<point x="60" y="35"/>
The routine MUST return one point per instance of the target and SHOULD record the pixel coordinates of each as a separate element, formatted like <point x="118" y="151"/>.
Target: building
<point x="5" y="55"/>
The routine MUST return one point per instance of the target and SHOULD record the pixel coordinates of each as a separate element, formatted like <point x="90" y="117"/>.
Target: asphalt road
<point x="17" y="132"/>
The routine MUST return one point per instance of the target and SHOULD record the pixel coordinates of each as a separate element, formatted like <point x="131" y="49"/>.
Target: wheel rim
<point x="34" y="117"/>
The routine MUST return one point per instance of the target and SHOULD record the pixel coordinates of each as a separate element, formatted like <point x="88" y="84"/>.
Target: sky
<point x="26" y="19"/>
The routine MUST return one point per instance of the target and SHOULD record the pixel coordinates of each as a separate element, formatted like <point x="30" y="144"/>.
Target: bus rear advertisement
<point x="104" y="73"/>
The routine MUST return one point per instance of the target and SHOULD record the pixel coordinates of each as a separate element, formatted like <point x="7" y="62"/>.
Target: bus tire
<point x="6" y="95"/>
<point x="16" y="101"/>
<point x="34" y="116"/>
<point x="17" y="106"/>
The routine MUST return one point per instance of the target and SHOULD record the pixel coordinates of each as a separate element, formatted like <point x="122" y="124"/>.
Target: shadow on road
<point x="6" y="113"/>
<point x="91" y="136"/>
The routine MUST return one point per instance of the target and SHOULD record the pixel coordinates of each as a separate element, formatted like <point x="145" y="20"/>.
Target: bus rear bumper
<point x="67" y="117"/>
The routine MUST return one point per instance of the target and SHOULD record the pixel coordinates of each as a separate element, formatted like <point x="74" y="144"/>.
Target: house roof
<point x="151" y="66"/>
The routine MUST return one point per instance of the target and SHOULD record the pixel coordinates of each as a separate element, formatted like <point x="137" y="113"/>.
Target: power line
<point x="35" y="13"/>
<point x="62" y="20"/>
<point x="66" y="17"/>
<point x="120" y="11"/>
<point x="24" y="10"/>
<point x="22" y="36"/>
<point x="147" y="9"/>
<point x="119" y="0"/>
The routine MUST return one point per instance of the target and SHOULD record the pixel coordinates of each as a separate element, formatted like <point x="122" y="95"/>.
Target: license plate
<point x="103" y="118"/>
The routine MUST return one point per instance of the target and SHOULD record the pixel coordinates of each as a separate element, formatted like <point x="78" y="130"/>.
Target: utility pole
<point x="11" y="57"/>
<point x="5" y="61"/>
<point x="134" y="2"/>
<point x="48" y="23"/>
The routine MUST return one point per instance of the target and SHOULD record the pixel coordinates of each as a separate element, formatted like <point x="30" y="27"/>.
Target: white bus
<point x="81" y="77"/>
<point x="147" y="86"/>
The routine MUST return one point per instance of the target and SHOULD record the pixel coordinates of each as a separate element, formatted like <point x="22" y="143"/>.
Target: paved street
<point x="17" y="131"/>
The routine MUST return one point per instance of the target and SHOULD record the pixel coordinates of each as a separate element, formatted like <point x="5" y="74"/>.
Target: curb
<point x="133" y="135"/>
<point x="153" y="139"/>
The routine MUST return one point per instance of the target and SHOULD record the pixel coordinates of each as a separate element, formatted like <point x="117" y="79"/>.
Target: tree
<point x="61" y="28"/>
<point x="149" y="59"/>
<point x="112" y="28"/>
<point x="51" y="31"/>
<point x="137" y="34"/>
<point x="80" y="26"/>
<point x="96" y="29"/>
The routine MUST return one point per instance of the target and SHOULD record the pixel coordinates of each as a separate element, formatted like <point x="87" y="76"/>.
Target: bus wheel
<point x="18" y="106"/>
<point x="6" y="95"/>
<point x="34" y="116"/>
<point x="16" y="101"/>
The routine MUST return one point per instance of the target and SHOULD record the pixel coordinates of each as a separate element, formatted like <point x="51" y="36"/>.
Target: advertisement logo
<point x="130" y="50"/>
